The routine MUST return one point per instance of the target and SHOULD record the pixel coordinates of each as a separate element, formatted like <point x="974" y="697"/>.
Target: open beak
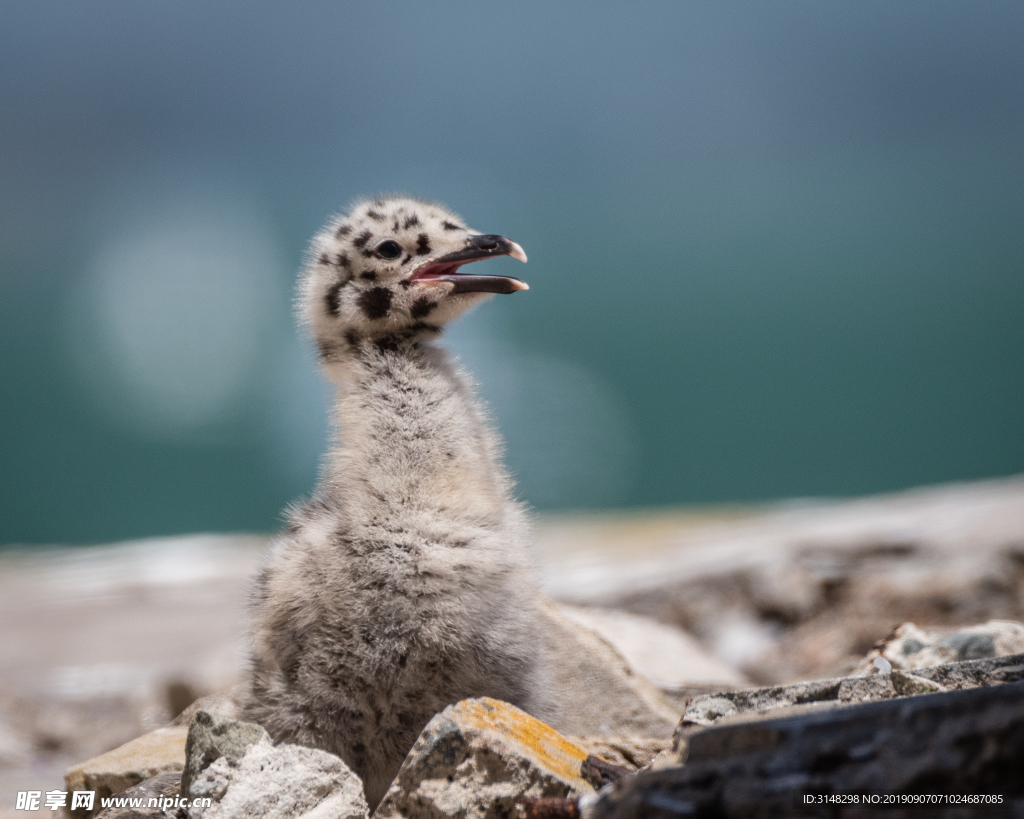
<point x="446" y="268"/>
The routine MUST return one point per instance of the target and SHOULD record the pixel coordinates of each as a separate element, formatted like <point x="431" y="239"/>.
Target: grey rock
<point x="163" y="788"/>
<point x="667" y="656"/>
<point x="979" y="673"/>
<point x="801" y="591"/>
<point x="594" y="691"/>
<point x="709" y="709"/>
<point x="959" y="742"/>
<point x="908" y="647"/>
<point x="283" y="782"/>
<point x="906" y="684"/>
<point x="770" y="702"/>
<point x="224" y="704"/>
<point x="954" y="676"/>
<point x="212" y="736"/>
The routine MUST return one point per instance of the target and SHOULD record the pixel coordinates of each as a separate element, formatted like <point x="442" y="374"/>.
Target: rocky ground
<point x="103" y="644"/>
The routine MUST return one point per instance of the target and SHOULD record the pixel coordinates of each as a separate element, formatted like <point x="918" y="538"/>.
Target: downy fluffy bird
<point x="403" y="585"/>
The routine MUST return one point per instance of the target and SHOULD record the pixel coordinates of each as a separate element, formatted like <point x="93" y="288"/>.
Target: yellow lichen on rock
<point x="541" y="743"/>
<point x="478" y="759"/>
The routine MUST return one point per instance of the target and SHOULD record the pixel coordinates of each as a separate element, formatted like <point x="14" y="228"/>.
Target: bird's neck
<point x="410" y="434"/>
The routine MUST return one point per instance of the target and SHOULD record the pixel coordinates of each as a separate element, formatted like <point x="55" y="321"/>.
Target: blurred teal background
<point x="775" y="249"/>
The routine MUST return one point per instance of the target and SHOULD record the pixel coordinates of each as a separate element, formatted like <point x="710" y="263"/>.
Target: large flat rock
<point x="736" y="707"/>
<point x="956" y="743"/>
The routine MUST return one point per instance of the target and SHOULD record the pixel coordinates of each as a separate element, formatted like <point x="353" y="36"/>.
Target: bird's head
<point x="394" y="265"/>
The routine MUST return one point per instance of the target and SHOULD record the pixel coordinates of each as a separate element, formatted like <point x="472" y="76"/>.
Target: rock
<point x="956" y="743"/>
<point x="804" y="589"/>
<point x="790" y="591"/>
<point x="283" y="782"/>
<point x="909" y="685"/>
<point x="596" y="692"/>
<point x="224" y="704"/>
<point x="908" y="647"/>
<point x="478" y="759"/>
<point x="158" y="752"/>
<point x="163" y="789"/>
<point x="953" y="676"/>
<point x="667" y="656"/>
<point x="211" y="737"/>
<point x="733" y="707"/>
<point x="632" y="753"/>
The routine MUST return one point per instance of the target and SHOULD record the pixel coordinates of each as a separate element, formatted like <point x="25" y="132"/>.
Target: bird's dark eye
<point x="389" y="249"/>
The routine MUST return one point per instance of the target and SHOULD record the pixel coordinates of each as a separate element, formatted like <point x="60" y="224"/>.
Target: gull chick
<point x="404" y="584"/>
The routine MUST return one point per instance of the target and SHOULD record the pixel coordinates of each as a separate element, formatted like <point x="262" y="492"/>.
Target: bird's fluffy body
<point x="404" y="584"/>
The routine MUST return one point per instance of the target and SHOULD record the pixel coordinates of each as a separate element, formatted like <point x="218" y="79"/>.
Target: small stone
<point x="478" y="759"/>
<point x="906" y="684"/>
<point x="866" y="689"/>
<point x="210" y="737"/>
<point x="158" y="752"/>
<point x="163" y="789"/>
<point x="283" y="782"/>
<point x="706" y="710"/>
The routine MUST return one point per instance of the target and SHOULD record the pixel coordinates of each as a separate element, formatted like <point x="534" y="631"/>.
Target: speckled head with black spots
<point x="393" y="265"/>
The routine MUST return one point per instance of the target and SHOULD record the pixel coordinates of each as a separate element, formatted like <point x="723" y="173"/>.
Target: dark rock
<point x="599" y="772"/>
<point x="756" y="703"/>
<point x="958" y="742"/>
<point x="550" y="807"/>
<point x="957" y="676"/>
<point x="212" y="736"/>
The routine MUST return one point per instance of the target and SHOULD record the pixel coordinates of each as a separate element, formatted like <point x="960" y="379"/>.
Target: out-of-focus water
<point x="775" y="249"/>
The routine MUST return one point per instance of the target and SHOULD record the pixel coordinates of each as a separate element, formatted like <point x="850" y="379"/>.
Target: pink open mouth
<point x="446" y="268"/>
